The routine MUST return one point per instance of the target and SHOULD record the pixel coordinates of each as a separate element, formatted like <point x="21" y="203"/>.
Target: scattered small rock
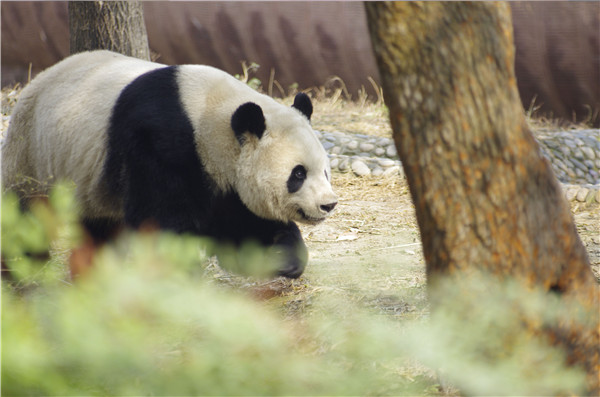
<point x="360" y="168"/>
<point x="392" y="171"/>
<point x="582" y="194"/>
<point x="343" y="166"/>
<point x="391" y="151"/>
<point x="366" y="147"/>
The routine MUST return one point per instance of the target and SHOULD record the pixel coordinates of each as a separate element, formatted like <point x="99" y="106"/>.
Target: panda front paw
<point x="293" y="258"/>
<point x="293" y="252"/>
<point x="292" y="269"/>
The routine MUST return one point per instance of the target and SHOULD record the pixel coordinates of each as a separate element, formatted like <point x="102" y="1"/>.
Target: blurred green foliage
<point x="27" y="236"/>
<point x="489" y="337"/>
<point x="146" y="320"/>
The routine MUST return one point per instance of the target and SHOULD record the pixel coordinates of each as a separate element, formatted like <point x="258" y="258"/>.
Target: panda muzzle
<point x="325" y="209"/>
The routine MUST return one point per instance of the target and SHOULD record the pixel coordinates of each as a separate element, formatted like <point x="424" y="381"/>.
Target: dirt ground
<point x="369" y="252"/>
<point x="587" y="220"/>
<point x="374" y="232"/>
<point x="370" y="248"/>
<point x="371" y="245"/>
<point x="376" y="217"/>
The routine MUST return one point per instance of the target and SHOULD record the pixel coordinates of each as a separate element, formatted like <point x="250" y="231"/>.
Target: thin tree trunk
<point x="110" y="25"/>
<point x="485" y="197"/>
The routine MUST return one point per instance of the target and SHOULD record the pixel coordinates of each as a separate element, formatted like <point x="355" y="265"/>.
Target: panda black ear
<point x="303" y="104"/>
<point x="248" y="118"/>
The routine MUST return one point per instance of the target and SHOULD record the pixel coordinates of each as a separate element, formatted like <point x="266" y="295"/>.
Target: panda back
<point x="58" y="128"/>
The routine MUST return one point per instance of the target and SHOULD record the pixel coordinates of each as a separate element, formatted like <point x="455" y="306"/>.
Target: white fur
<point x="59" y="131"/>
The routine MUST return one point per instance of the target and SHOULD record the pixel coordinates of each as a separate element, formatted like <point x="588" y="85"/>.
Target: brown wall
<point x="557" y="61"/>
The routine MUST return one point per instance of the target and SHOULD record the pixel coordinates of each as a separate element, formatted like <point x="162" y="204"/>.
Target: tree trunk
<point x="485" y="197"/>
<point x="110" y="25"/>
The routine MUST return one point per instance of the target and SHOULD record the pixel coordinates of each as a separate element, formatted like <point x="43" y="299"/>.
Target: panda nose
<point x="328" y="207"/>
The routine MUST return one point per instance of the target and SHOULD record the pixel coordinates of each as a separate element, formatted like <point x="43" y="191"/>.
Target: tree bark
<point x="110" y="25"/>
<point x="485" y="197"/>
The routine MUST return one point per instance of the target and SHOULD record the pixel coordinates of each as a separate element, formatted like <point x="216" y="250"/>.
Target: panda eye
<point x="299" y="172"/>
<point x="296" y="179"/>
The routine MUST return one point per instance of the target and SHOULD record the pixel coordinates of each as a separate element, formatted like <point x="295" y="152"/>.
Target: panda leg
<point x="98" y="232"/>
<point x="232" y="222"/>
<point x="101" y="230"/>
<point x="295" y="254"/>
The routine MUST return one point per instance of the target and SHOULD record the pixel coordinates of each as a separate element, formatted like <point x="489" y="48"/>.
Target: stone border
<point x="574" y="155"/>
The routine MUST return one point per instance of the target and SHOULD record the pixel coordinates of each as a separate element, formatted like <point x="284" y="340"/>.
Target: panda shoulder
<point x="203" y="87"/>
<point x="89" y="59"/>
<point x="205" y="76"/>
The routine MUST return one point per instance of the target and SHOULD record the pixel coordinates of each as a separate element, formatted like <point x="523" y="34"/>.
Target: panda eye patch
<point x="296" y="179"/>
<point x="299" y="172"/>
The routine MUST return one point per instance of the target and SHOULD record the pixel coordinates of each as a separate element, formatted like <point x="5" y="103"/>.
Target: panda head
<point x="283" y="171"/>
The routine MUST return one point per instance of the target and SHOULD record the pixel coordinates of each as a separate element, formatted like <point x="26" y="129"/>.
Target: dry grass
<point x="350" y="187"/>
<point x="10" y="95"/>
<point x="336" y="110"/>
<point x="545" y="123"/>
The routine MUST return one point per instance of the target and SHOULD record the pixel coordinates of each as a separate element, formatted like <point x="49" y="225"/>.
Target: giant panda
<point x="189" y="149"/>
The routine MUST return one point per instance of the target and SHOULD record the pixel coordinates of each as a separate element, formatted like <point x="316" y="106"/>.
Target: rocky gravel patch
<point x="574" y="155"/>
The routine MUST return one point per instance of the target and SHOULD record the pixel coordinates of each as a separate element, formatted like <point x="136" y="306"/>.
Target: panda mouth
<point x="309" y="219"/>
